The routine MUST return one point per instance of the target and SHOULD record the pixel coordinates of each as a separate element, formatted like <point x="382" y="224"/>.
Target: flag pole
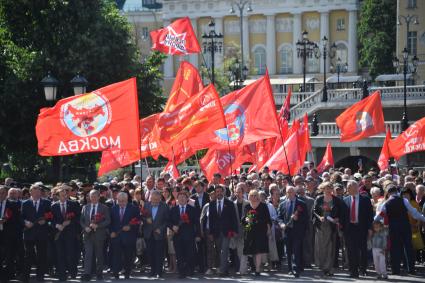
<point x="205" y="63"/>
<point x="147" y="166"/>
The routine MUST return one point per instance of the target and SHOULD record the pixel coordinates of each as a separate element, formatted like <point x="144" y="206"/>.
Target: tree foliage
<point x="66" y="38"/>
<point x="377" y="35"/>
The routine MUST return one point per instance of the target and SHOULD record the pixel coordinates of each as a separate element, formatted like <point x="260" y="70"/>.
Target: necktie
<point x="36" y="206"/>
<point x="353" y="210"/>
<point x="93" y="210"/>
<point x="121" y="213"/>
<point x="219" y="208"/>
<point x="181" y="210"/>
<point x="291" y="207"/>
<point x="63" y="210"/>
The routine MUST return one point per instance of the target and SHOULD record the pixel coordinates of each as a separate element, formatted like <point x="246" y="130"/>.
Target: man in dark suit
<point x="66" y="217"/>
<point x="125" y="223"/>
<point x="94" y="220"/>
<point x="357" y="225"/>
<point x="10" y="232"/>
<point x="292" y="218"/>
<point x="155" y="231"/>
<point x="223" y="224"/>
<point x="184" y="222"/>
<point x="201" y="198"/>
<point x="36" y="214"/>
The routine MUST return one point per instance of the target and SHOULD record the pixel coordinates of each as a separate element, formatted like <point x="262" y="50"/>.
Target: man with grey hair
<point x="357" y="227"/>
<point x="95" y="219"/>
<point x="125" y="224"/>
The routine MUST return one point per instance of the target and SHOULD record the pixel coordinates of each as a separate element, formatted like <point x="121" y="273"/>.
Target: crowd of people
<point x="229" y="226"/>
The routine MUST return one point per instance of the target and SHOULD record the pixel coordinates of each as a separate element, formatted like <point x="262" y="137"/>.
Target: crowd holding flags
<point x="240" y="127"/>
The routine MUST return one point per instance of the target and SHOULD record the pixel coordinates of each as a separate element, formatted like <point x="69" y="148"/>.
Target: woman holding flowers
<point x="327" y="216"/>
<point x="257" y="227"/>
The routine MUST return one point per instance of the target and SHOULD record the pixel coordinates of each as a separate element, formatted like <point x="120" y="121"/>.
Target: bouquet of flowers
<point x="251" y="219"/>
<point x="97" y="218"/>
<point x="48" y="216"/>
<point x="6" y="217"/>
<point x="134" y="221"/>
<point x="184" y="218"/>
<point x="299" y="209"/>
<point x="231" y="234"/>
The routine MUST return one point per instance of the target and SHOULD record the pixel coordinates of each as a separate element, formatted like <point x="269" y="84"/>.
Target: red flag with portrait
<point x="384" y="156"/>
<point x="104" y="119"/>
<point x="411" y="140"/>
<point x="362" y="120"/>
<point x="178" y="38"/>
<point x="327" y="161"/>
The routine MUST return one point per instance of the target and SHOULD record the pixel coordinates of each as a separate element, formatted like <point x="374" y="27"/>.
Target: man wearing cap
<point x="397" y="209"/>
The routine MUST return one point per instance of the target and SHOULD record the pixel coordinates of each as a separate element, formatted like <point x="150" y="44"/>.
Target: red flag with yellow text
<point x="411" y="140"/>
<point x="178" y="38"/>
<point x="362" y="120"/>
<point x="104" y="119"/>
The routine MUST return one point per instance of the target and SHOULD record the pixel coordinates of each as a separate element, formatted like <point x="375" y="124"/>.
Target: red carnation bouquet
<point x="184" y="218"/>
<point x="97" y="218"/>
<point x="134" y="221"/>
<point x="251" y="219"/>
<point x="8" y="214"/>
<point x="48" y="216"/>
<point x="231" y="234"/>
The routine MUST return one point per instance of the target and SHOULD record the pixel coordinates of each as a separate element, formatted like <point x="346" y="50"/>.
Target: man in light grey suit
<point x="240" y="204"/>
<point x="95" y="219"/>
<point x="154" y="230"/>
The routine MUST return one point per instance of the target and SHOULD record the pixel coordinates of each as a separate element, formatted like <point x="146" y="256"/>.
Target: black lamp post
<point x="315" y="125"/>
<point x="240" y="5"/>
<point x="79" y="83"/>
<point x="236" y="76"/>
<point x="339" y="68"/>
<point x="306" y="49"/>
<point x="212" y="44"/>
<point x="365" y="89"/>
<point x="331" y="53"/>
<point x="406" y="69"/>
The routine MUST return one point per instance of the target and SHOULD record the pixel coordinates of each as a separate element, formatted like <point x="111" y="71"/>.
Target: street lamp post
<point x="339" y="68"/>
<point x="406" y="69"/>
<point x="236" y="76"/>
<point x="50" y="85"/>
<point x="306" y="48"/>
<point x="240" y="5"/>
<point x="331" y="53"/>
<point x="209" y="45"/>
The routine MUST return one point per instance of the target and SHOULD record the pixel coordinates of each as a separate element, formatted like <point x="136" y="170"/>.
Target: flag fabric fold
<point x="362" y="120"/>
<point x="178" y="38"/>
<point x="116" y="158"/>
<point x="327" y="160"/>
<point x="409" y="141"/>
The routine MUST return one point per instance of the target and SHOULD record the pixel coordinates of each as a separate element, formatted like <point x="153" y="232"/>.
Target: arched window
<point x="286" y="62"/>
<point x="260" y="60"/>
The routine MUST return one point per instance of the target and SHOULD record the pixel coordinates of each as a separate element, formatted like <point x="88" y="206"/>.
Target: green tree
<point x="377" y="35"/>
<point x="64" y="37"/>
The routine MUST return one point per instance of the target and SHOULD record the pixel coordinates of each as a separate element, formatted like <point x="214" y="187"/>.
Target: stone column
<point x="245" y="36"/>
<point x="271" y="44"/>
<point x="219" y="29"/>
<point x="193" y="58"/>
<point x="168" y="63"/>
<point x="352" y="41"/>
<point x="296" y="35"/>
<point x="324" y="31"/>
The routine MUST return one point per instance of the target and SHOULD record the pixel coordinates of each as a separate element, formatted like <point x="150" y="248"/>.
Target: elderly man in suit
<point x="240" y="204"/>
<point x="125" y="223"/>
<point x="66" y="216"/>
<point x="184" y="222"/>
<point x="358" y="224"/>
<point x="36" y="214"/>
<point x="9" y="235"/>
<point x="223" y="226"/>
<point x="155" y="232"/>
<point x="292" y="218"/>
<point x="95" y="219"/>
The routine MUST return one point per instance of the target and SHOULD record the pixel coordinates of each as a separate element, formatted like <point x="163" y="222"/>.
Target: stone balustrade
<point x="332" y="130"/>
<point x="297" y="97"/>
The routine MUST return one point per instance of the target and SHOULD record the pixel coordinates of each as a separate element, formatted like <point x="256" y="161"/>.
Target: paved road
<point x="311" y="275"/>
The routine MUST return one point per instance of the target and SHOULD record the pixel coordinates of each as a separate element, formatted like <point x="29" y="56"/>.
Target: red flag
<point x="177" y="38"/>
<point x="198" y="116"/>
<point x="327" y="161"/>
<point x="285" y="113"/>
<point x="150" y="145"/>
<point x="187" y="83"/>
<point x="385" y="152"/>
<point x="107" y="118"/>
<point x="286" y="156"/>
<point x="304" y="139"/>
<point x="250" y="116"/>
<point x="171" y="169"/>
<point x="362" y="120"/>
<point x="116" y="158"/>
<point x="411" y="140"/>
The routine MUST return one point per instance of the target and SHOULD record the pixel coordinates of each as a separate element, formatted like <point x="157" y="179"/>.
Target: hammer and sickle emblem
<point x="186" y="74"/>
